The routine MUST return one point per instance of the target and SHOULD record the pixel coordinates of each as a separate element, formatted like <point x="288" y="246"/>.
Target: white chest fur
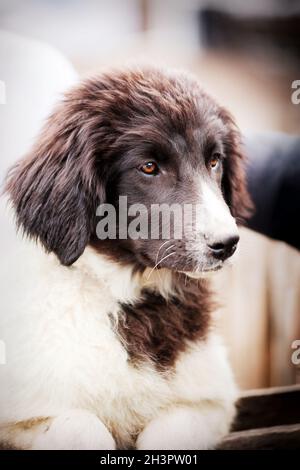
<point x="63" y="352"/>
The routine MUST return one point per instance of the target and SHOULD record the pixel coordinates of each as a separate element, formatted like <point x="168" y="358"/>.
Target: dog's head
<point x="152" y="136"/>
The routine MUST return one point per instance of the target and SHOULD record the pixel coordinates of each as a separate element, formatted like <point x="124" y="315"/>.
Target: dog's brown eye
<point x="214" y="161"/>
<point x="149" y="168"/>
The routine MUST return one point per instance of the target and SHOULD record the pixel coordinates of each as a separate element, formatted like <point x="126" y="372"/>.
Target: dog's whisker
<point x="163" y="244"/>
<point x="160" y="261"/>
<point x="169" y="247"/>
<point x="156" y="259"/>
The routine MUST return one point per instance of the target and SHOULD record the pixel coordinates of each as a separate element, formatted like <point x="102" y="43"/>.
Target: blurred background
<point x="247" y="54"/>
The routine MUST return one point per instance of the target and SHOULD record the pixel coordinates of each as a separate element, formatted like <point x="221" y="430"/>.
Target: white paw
<point x="184" y="428"/>
<point x="75" y="430"/>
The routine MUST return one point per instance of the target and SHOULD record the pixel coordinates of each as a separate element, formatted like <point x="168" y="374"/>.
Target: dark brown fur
<point x="55" y="190"/>
<point x="158" y="329"/>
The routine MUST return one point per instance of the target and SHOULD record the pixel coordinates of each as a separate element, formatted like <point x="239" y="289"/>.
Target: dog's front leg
<point x="72" y="430"/>
<point x="187" y="428"/>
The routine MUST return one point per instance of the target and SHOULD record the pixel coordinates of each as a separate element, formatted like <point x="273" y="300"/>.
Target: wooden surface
<point x="266" y="419"/>
<point x="268" y="407"/>
<point x="273" y="438"/>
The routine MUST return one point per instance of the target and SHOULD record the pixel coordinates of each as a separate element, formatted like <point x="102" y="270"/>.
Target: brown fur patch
<point x="18" y="435"/>
<point x="157" y="329"/>
<point x="30" y="423"/>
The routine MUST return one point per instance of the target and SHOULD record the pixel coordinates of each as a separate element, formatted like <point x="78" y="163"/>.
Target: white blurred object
<point x="33" y="77"/>
<point x="83" y="31"/>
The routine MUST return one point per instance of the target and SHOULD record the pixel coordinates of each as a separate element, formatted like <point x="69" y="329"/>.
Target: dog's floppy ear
<point x="234" y="178"/>
<point x="55" y="189"/>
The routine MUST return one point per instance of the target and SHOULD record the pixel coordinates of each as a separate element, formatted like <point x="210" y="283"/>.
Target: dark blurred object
<point x="266" y="420"/>
<point x="274" y="184"/>
<point x="220" y="29"/>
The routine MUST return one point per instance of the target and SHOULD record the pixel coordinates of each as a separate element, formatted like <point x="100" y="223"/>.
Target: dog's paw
<point x="75" y="430"/>
<point x="183" y="428"/>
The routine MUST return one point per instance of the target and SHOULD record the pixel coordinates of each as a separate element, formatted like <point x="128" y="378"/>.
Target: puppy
<point x="103" y="350"/>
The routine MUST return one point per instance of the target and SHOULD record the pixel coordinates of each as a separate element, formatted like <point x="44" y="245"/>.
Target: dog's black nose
<point x="222" y="249"/>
